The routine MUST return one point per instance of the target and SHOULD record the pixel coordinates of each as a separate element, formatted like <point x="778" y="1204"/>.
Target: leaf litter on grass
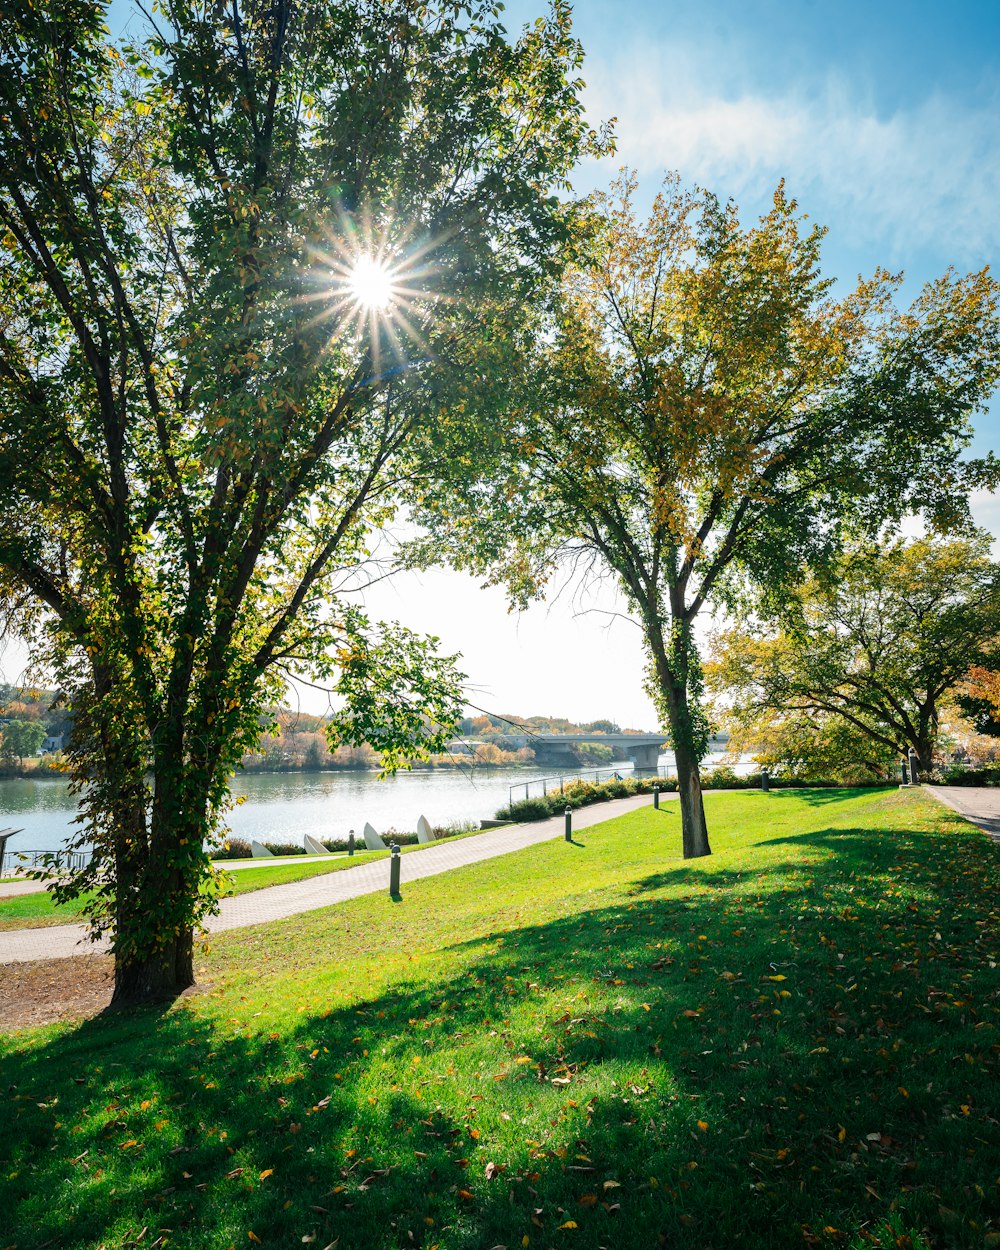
<point x="578" y="1069"/>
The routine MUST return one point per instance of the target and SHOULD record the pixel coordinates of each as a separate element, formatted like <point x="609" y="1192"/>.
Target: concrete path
<point x="277" y="902"/>
<point x="980" y="804"/>
<point x="11" y="889"/>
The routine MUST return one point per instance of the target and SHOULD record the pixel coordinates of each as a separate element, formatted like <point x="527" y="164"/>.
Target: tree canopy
<point x="19" y="738"/>
<point x="241" y="260"/>
<point x="698" y="413"/>
<point x="863" y="657"/>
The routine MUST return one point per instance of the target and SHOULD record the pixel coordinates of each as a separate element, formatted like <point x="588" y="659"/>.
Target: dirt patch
<point x="50" y="990"/>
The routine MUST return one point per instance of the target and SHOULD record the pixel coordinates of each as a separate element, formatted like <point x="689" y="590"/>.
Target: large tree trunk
<point x="694" y="829"/>
<point x="154" y="941"/>
<point x="158" y="975"/>
<point x="675" y="699"/>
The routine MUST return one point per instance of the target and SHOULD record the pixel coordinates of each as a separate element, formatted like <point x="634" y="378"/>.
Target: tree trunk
<point x="156" y="919"/>
<point x="675" y="700"/>
<point x="155" y="976"/>
<point x="694" y="829"/>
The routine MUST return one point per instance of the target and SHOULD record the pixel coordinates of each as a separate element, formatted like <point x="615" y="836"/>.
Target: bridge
<point x="557" y="749"/>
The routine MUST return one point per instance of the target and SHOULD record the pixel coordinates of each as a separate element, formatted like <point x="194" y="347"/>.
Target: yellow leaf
<point x="266" y="1173"/>
<point x="569" y="1224"/>
<point x="703" y="1125"/>
<point x="842" y="1134"/>
<point x="779" y="977"/>
<point x="253" y="1237"/>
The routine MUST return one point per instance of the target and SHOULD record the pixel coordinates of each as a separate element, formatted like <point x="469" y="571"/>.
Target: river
<point x="281" y="807"/>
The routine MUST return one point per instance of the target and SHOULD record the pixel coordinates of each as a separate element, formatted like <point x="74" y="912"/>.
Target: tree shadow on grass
<point x="803" y="1058"/>
<point x="824" y="796"/>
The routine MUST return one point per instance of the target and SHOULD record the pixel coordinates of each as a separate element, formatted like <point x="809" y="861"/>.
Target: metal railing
<point x="559" y="781"/>
<point x="20" y="861"/>
<point x="621" y="772"/>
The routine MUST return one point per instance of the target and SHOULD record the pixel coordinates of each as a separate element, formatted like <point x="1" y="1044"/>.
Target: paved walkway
<point x="11" y="889"/>
<point x="980" y="804"/>
<point x="277" y="902"/>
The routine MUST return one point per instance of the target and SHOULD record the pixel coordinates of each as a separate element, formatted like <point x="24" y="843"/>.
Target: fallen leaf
<point x="265" y="1174"/>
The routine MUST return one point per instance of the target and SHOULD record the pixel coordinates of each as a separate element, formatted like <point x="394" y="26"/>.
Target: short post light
<point x="656" y="798"/>
<point x="765" y="780"/>
<point x="904" y="776"/>
<point x="912" y="757"/>
<point x="393" y="870"/>
<point x="569" y="825"/>
<point x="350" y="843"/>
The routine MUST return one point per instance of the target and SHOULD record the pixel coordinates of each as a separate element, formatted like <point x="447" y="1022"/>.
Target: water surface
<point x="282" y="807"/>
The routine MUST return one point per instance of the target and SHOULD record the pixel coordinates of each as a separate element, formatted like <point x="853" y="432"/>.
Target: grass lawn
<point x="791" y="1043"/>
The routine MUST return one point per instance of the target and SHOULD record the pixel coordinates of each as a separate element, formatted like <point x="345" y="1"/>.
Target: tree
<point x="239" y="266"/>
<point x="21" y="738"/>
<point x="697" y="414"/>
<point x="979" y="699"/>
<point x="874" y="647"/>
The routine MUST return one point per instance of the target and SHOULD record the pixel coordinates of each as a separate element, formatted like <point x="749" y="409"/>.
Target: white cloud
<point x="923" y="177"/>
<point x="985" y="506"/>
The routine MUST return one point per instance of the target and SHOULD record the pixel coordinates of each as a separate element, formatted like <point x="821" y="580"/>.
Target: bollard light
<point x="569" y="824"/>
<point x="904" y="779"/>
<point x="350" y="843"/>
<point x="394" y="858"/>
<point x="656" y="798"/>
<point x="764" y="780"/>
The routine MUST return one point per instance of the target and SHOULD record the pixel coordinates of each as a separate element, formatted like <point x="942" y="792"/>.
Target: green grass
<point x="791" y="1043"/>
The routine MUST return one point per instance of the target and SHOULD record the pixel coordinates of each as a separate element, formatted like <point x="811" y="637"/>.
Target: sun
<point x="374" y="287"/>
<point x="371" y="283"/>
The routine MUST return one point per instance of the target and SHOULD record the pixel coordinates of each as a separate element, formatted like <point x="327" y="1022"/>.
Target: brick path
<point x="277" y="902"/>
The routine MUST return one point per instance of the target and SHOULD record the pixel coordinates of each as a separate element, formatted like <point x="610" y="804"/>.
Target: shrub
<point x="526" y="809"/>
<point x="233" y="848"/>
<point x="956" y="775"/>
<point x="721" y="778"/>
